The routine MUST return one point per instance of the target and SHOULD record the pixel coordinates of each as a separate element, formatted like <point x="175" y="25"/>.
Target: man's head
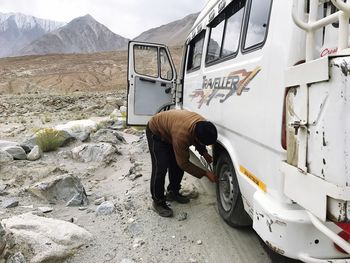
<point x="206" y="132"/>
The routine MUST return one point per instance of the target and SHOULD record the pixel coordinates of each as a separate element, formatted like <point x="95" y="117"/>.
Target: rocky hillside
<point x="172" y="34"/>
<point x="18" y="30"/>
<point x="81" y="35"/>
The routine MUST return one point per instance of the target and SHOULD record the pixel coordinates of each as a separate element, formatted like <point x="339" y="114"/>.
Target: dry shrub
<point x="49" y="139"/>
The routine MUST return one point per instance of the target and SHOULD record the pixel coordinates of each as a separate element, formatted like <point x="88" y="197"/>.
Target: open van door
<point x="151" y="81"/>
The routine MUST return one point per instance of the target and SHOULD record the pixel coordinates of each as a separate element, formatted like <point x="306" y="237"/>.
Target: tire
<point x="228" y="194"/>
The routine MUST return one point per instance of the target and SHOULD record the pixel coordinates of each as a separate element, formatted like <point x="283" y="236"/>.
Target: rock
<point x="29" y="144"/>
<point x="133" y="177"/>
<point x="49" y="240"/>
<point x="10" y="203"/>
<point x="101" y="152"/>
<point x="116" y="114"/>
<point x="45" y="209"/>
<point x="3" y="188"/>
<point x="189" y="190"/>
<point x="108" y="136"/>
<point x="17" y="152"/>
<point x="99" y="201"/>
<point x="106" y="208"/>
<point x="66" y="188"/>
<point x="138" y="242"/>
<point x="79" y="129"/>
<point x="16" y="258"/>
<point x="199" y="242"/>
<point x="5" y="157"/>
<point x="182" y="216"/>
<point x="2" y="239"/>
<point x="67" y="138"/>
<point x="4" y="144"/>
<point x="123" y="109"/>
<point x="133" y="131"/>
<point x="35" y="154"/>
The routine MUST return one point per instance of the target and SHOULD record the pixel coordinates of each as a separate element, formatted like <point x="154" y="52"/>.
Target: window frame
<point x="158" y="61"/>
<point x="234" y="54"/>
<point x="189" y="53"/>
<point x="246" y="21"/>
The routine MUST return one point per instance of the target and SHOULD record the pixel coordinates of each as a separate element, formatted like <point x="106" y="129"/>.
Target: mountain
<point x="18" y="30"/>
<point x="172" y="34"/>
<point x="81" y="35"/>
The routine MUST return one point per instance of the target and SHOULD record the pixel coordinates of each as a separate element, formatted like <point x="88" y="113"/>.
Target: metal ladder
<point x="310" y="27"/>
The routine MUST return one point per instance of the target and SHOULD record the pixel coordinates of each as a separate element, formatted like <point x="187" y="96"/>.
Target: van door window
<point x="165" y="66"/>
<point x="147" y="60"/>
<point x="257" y="23"/>
<point x="225" y="32"/>
<point x="195" y="52"/>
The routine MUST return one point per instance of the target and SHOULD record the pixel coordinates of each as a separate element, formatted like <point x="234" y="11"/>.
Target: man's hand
<point x="212" y="177"/>
<point x="208" y="158"/>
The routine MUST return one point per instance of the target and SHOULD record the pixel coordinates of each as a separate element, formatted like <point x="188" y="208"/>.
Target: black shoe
<point x="162" y="209"/>
<point x="172" y="196"/>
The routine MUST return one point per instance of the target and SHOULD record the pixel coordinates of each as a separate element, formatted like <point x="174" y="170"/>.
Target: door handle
<point x="148" y="80"/>
<point x="163" y="84"/>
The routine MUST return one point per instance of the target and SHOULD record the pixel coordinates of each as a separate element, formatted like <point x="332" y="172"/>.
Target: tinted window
<point x="195" y="52"/>
<point x="258" y="21"/>
<point x="225" y="32"/>
<point x="146" y="60"/>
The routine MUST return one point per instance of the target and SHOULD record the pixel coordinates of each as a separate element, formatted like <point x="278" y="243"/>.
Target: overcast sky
<point x="127" y="18"/>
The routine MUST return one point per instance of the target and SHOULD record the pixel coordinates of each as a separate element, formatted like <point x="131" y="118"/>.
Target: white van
<point x="274" y="77"/>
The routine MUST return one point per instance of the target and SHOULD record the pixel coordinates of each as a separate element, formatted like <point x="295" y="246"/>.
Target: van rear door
<point x="151" y="81"/>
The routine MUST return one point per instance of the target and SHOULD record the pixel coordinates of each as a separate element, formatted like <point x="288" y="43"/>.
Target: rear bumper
<point x="293" y="232"/>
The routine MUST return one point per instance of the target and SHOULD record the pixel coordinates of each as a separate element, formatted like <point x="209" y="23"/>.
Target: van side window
<point x="225" y="32"/>
<point x="257" y="23"/>
<point x="195" y="52"/>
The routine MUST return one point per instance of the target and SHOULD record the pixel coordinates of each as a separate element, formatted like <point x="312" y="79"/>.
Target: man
<point x="169" y="135"/>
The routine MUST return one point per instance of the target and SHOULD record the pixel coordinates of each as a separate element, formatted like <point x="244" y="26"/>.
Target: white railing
<point x="313" y="24"/>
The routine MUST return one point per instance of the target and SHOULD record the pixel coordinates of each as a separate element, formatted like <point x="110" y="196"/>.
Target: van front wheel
<point x="228" y="195"/>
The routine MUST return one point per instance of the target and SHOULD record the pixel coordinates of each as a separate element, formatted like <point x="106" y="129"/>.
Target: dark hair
<point x="206" y="132"/>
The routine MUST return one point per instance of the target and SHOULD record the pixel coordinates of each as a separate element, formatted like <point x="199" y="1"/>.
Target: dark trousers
<point x="163" y="161"/>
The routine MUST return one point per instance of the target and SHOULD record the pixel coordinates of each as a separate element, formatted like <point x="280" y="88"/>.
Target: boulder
<point x="108" y="136"/>
<point x="35" y="154"/>
<point x="5" y="157"/>
<point x="66" y="188"/>
<point x="79" y="129"/>
<point x="7" y="144"/>
<point x="29" y="144"/>
<point x="49" y="240"/>
<point x="17" y="152"/>
<point x="101" y="152"/>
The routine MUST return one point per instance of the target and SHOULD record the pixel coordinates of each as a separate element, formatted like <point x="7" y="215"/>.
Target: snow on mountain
<point x="18" y="30"/>
<point x="81" y="35"/>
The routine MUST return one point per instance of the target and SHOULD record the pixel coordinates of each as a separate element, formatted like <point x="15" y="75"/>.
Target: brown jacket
<point x="176" y="127"/>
